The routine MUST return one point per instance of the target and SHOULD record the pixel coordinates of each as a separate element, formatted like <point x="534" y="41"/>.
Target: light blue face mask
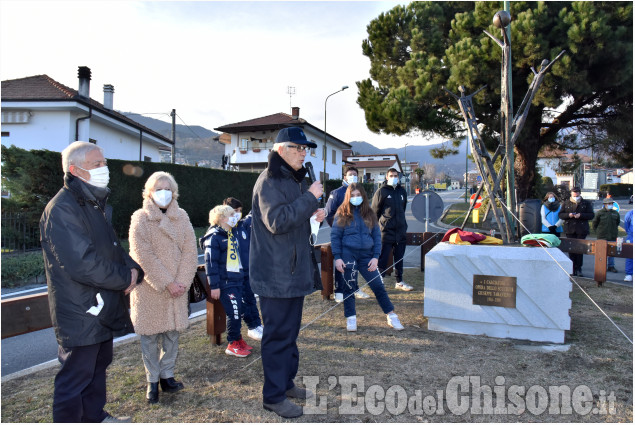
<point x="356" y="200"/>
<point x="351" y="179"/>
<point x="552" y="199"/>
<point x="393" y="181"/>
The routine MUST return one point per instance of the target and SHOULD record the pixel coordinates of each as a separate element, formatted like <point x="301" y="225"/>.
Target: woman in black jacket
<point x="576" y="213"/>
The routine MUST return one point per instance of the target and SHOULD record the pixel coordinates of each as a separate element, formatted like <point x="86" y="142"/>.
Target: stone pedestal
<point x="542" y="291"/>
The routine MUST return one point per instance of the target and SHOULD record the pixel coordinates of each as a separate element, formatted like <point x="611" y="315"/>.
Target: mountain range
<point x="195" y="145"/>
<point x="453" y="165"/>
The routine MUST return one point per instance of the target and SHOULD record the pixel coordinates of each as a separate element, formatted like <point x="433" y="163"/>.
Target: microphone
<point x="309" y="168"/>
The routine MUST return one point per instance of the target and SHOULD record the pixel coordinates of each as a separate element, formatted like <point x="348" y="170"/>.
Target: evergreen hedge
<point x="617" y="189"/>
<point x="34" y="177"/>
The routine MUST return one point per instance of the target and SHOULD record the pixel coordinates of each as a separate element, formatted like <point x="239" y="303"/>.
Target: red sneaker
<point x="244" y="345"/>
<point x="235" y="349"/>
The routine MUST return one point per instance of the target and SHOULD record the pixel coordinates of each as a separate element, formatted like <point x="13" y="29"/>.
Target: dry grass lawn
<point x="220" y="388"/>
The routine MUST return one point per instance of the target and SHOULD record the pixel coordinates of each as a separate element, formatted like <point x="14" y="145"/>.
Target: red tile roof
<point x="44" y="88"/>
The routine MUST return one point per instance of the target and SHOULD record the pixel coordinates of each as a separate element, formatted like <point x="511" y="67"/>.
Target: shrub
<point x="18" y="269"/>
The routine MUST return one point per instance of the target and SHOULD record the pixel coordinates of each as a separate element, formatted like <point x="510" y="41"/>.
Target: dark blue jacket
<point x="215" y="245"/>
<point x="243" y="233"/>
<point x="355" y="237"/>
<point x="281" y="257"/>
<point x="336" y="197"/>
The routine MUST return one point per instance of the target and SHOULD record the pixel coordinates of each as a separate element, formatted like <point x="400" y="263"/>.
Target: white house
<point x="41" y="113"/>
<point x="248" y="143"/>
<point x="373" y="168"/>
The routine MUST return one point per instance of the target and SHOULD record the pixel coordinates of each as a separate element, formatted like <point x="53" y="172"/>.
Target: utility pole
<point x="173" y="115"/>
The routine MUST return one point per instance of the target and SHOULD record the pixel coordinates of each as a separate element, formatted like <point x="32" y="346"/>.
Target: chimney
<point x="295" y="112"/>
<point x="83" y="72"/>
<point x="109" y="89"/>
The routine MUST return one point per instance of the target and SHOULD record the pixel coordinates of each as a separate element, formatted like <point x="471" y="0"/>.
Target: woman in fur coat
<point x="162" y="241"/>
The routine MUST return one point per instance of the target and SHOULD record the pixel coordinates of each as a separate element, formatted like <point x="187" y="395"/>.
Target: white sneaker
<point x="339" y="297"/>
<point x="403" y="286"/>
<point x="628" y="278"/>
<point x="255" y="333"/>
<point x="393" y="321"/>
<point x="361" y="294"/>
<point x="351" y="323"/>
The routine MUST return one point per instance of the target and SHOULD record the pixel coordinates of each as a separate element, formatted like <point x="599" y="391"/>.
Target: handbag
<point x="198" y="289"/>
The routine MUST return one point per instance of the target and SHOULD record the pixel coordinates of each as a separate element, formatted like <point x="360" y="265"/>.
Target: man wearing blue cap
<point x="282" y="269"/>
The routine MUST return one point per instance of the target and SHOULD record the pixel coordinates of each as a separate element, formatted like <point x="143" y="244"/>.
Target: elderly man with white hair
<point x="88" y="276"/>
<point x="281" y="269"/>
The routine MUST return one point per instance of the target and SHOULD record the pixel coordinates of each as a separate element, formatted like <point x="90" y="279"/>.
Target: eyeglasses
<point x="299" y="148"/>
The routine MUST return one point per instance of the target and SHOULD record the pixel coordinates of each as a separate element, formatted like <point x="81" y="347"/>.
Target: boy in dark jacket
<point x="576" y="213"/>
<point x="250" y="307"/>
<point x="605" y="225"/>
<point x="389" y="204"/>
<point x="225" y="273"/>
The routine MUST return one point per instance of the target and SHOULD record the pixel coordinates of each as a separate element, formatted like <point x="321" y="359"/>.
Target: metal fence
<point x="20" y="231"/>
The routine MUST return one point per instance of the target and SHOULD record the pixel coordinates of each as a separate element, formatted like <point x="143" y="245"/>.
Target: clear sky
<point x="216" y="63"/>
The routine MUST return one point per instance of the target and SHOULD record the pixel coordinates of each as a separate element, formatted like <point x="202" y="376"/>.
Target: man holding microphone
<point x="282" y="269"/>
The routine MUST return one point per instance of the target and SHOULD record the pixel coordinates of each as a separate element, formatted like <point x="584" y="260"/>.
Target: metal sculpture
<point x="510" y="131"/>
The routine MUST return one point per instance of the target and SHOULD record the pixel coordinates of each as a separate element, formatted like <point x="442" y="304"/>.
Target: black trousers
<point x="80" y="384"/>
<point x="398" y="250"/>
<point x="577" y="259"/>
<point x="281" y="319"/>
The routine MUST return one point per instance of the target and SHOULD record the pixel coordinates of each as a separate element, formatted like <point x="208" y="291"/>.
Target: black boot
<point x="152" y="395"/>
<point x="169" y="385"/>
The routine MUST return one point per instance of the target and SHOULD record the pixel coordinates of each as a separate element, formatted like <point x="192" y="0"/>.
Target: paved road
<point x="32" y="349"/>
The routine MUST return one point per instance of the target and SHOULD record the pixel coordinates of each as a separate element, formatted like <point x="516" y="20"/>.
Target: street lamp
<point x="405" y="160"/>
<point x="324" y="153"/>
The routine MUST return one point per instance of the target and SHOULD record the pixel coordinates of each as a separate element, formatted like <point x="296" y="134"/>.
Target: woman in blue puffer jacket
<point x="356" y="245"/>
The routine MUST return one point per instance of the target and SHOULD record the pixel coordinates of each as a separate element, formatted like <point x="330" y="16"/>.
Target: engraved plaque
<point x="497" y="291"/>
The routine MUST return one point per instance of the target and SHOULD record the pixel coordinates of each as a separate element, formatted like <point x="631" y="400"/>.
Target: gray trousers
<point x="159" y="363"/>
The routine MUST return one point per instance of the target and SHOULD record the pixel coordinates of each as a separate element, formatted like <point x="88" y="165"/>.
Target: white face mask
<point x="232" y="221"/>
<point x="356" y="200"/>
<point x="99" y="177"/>
<point x="393" y="181"/>
<point x="238" y="216"/>
<point x="576" y="199"/>
<point x="351" y="179"/>
<point x="162" y="197"/>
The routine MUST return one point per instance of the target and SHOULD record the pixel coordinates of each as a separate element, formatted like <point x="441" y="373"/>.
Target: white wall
<point x="55" y="130"/>
<point x="52" y="130"/>
<point x="316" y="157"/>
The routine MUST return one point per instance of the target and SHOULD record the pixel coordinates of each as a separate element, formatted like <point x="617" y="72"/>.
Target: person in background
<point x="628" y="227"/>
<point x="282" y="268"/>
<point x="88" y="275"/>
<point x="336" y="197"/>
<point x="251" y="316"/>
<point x="576" y="213"/>
<point x="551" y="222"/>
<point x="389" y="204"/>
<point x="225" y="274"/>
<point x="162" y="241"/>
<point x="356" y="245"/>
<point x="605" y="224"/>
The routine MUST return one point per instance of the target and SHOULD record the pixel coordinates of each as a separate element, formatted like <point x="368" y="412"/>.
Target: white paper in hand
<point x="315" y="228"/>
<point x="94" y="310"/>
